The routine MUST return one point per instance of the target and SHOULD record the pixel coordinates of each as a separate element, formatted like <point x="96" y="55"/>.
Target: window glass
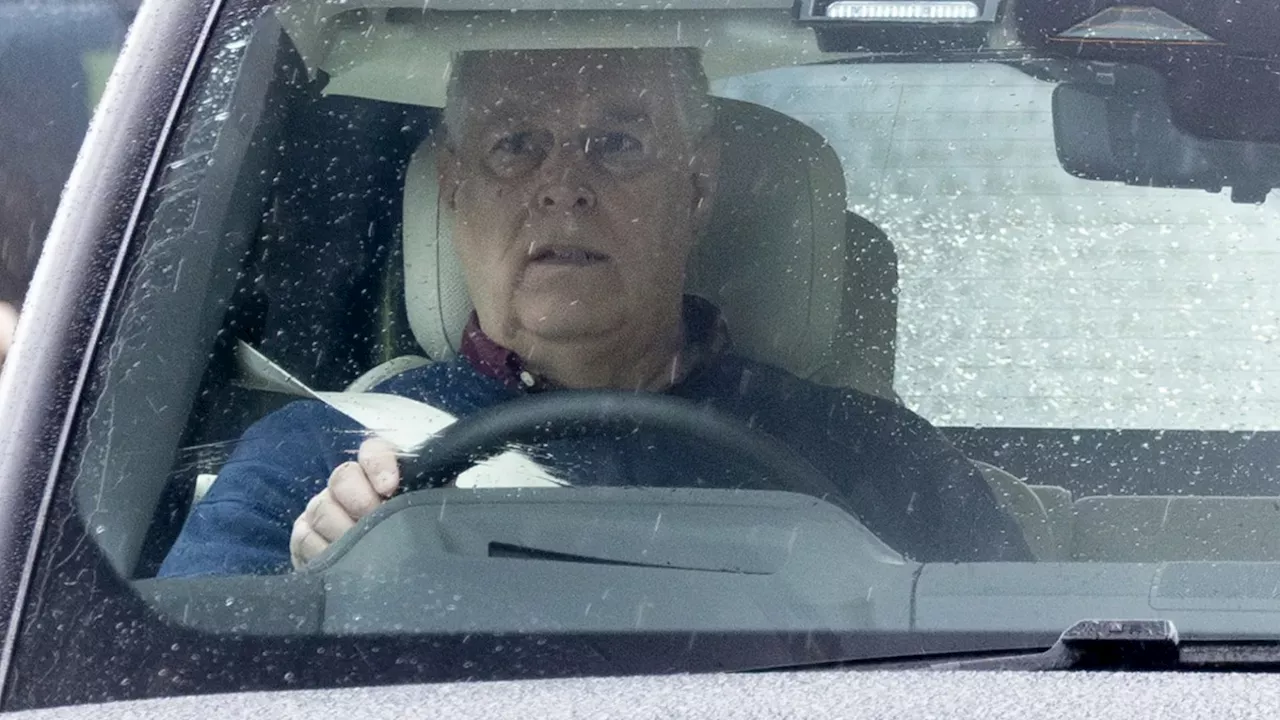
<point x="1031" y="298"/>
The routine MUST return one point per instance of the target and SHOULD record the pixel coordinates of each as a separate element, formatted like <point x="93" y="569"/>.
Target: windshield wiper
<point x="1093" y="645"/>
<point x="1109" y="645"/>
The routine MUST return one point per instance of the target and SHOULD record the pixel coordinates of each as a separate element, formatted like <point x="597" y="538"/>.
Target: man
<point x="579" y="181"/>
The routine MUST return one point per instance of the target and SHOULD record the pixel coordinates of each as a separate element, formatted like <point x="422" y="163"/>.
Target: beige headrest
<point x="774" y="258"/>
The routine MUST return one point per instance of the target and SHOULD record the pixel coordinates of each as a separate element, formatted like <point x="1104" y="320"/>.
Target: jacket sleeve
<point x="921" y="495"/>
<point x="242" y="526"/>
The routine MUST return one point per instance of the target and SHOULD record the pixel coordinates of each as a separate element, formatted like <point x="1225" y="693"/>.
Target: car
<point x="1033" y="233"/>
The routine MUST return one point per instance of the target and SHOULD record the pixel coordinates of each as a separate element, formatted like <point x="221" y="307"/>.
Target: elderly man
<point x="579" y="182"/>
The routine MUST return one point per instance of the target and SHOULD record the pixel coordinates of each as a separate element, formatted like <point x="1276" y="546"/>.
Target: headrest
<point x="774" y="258"/>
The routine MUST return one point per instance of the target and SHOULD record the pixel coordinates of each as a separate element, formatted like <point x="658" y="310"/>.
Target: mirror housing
<point x="1120" y="128"/>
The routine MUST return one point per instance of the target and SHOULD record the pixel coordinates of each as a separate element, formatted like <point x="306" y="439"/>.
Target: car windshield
<point x="911" y="318"/>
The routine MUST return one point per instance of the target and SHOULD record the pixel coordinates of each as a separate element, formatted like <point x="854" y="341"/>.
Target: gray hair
<point x="694" y="109"/>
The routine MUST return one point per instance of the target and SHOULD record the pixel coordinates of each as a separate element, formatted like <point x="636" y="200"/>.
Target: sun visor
<point x="403" y="54"/>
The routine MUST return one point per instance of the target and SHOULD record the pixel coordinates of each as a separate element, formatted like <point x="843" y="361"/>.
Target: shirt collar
<point x="706" y="336"/>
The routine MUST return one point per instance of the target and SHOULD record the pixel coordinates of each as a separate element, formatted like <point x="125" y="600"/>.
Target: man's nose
<point x="564" y="189"/>
<point x="565" y="195"/>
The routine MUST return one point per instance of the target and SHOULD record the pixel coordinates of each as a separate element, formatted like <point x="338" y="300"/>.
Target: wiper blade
<point x="1094" y="645"/>
<point x="1110" y="645"/>
<point x="1135" y="645"/>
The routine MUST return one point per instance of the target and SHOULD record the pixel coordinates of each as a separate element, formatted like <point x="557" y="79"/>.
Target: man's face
<point x="577" y="193"/>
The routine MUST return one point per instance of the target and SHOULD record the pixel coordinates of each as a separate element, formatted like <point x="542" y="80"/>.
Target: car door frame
<point x="66" y="308"/>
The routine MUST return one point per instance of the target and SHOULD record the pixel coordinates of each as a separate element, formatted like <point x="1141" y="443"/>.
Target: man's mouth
<point x="566" y="255"/>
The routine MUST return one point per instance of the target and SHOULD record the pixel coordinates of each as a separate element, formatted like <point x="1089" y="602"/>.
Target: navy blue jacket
<point x="902" y="478"/>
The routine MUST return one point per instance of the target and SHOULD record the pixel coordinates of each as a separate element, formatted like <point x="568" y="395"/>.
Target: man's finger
<point x="304" y="543"/>
<point x="350" y="488"/>
<point x="329" y="519"/>
<point x="378" y="459"/>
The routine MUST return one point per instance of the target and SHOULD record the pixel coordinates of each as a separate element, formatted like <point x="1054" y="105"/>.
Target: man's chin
<point x="567" y="321"/>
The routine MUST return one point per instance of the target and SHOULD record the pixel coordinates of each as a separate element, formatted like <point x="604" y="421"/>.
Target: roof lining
<point x="368" y="52"/>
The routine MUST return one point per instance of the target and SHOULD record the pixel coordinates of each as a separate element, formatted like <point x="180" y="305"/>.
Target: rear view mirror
<point x="1123" y="130"/>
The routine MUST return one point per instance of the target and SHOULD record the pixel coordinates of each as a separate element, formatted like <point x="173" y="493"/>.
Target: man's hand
<point x="355" y="490"/>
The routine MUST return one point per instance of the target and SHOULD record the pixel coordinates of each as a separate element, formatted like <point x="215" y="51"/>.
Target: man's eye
<point x="614" y="144"/>
<point x="517" y="153"/>
<point x="516" y="144"/>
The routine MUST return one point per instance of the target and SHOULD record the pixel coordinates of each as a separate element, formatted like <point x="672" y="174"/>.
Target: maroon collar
<point x="493" y="360"/>
<point x="706" y="336"/>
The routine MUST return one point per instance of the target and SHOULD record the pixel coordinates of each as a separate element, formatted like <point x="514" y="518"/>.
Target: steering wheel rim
<point x="573" y="414"/>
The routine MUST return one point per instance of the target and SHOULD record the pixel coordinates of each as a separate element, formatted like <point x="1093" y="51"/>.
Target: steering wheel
<point x="568" y="414"/>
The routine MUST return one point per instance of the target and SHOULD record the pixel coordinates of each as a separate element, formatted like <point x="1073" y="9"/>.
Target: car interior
<point x="338" y="266"/>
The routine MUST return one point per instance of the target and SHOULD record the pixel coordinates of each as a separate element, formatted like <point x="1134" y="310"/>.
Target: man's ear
<point x="447" y="169"/>
<point x="705" y="165"/>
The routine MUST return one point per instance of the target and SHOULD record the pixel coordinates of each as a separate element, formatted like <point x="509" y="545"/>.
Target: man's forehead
<point x="568" y="63"/>
<point x="613" y="81"/>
